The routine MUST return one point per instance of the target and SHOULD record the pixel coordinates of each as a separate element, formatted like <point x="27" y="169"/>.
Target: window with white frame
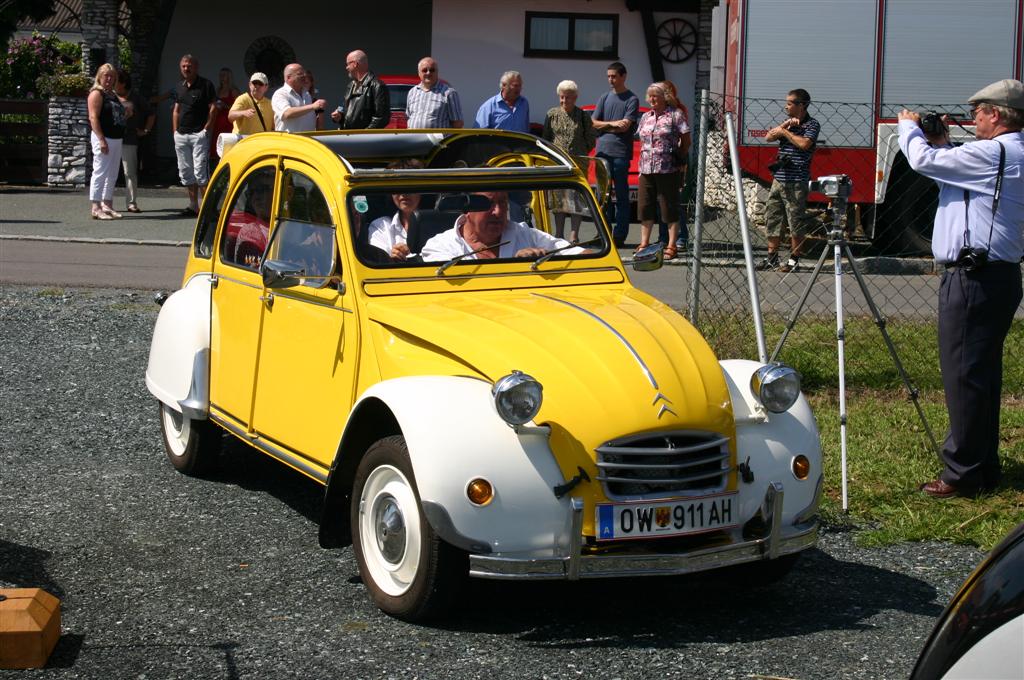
<point x="566" y="34"/>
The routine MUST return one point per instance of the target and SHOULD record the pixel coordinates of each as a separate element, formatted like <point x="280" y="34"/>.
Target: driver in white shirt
<point x="492" y="234"/>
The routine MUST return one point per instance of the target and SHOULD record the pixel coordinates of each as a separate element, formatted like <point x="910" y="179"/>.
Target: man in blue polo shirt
<point x="507" y="110"/>
<point x="787" y="199"/>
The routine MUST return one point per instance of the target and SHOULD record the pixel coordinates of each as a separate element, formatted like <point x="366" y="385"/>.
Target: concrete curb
<point x="86" y="239"/>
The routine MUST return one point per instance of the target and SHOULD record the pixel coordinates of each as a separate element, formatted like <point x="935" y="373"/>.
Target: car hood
<point x="612" y="361"/>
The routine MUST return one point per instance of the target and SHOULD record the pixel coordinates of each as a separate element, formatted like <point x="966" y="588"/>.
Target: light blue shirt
<point x="973" y="167"/>
<point x="495" y="113"/>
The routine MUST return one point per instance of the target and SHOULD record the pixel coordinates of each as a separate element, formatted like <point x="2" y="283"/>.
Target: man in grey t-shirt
<point x="615" y="118"/>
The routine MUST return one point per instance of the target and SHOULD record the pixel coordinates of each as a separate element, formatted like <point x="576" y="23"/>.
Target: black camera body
<point x="778" y="164"/>
<point x="969" y="259"/>
<point x="931" y="124"/>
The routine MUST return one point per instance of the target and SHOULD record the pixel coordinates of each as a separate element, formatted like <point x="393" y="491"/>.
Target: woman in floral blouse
<point x="663" y="135"/>
<point x="569" y="127"/>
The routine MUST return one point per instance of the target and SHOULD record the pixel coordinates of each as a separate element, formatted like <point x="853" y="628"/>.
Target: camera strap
<point x="995" y="200"/>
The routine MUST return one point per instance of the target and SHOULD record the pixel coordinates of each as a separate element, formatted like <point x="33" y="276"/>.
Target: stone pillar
<point x="99" y="34"/>
<point x="703" y="80"/>
<point x="68" y="158"/>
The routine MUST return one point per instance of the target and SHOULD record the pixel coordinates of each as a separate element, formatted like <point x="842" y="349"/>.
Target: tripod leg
<point x="841" y="357"/>
<point x="791" y="322"/>
<point x="880" y="322"/>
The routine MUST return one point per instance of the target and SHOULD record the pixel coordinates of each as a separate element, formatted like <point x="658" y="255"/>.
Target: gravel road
<point x="163" y="576"/>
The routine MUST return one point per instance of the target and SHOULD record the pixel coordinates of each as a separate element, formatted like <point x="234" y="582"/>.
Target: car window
<point x="398" y="95"/>
<point x="411" y="226"/>
<point x="248" y="224"/>
<point x="210" y="214"/>
<point x="304" y="236"/>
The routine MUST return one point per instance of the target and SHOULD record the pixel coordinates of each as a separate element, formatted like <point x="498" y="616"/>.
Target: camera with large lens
<point x="833" y="186"/>
<point x="931" y="124"/>
<point x="778" y="164"/>
<point x="970" y="259"/>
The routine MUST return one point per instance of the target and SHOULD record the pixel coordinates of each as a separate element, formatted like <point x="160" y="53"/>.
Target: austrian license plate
<point x="616" y="521"/>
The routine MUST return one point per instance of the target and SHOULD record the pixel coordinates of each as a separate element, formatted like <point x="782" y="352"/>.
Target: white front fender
<point x="454" y="435"/>
<point x="770" y="441"/>
<point x="178" y="369"/>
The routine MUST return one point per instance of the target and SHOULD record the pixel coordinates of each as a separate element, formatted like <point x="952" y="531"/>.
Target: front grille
<point x="663" y="464"/>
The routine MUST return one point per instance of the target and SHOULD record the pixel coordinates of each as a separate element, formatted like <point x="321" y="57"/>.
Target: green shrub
<point x="29" y="58"/>
<point x="66" y="85"/>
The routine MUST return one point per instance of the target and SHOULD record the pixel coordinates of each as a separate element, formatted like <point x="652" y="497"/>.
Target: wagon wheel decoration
<point x="677" y="40"/>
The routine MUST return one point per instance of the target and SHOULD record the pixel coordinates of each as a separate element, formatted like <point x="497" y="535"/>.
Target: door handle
<point x="267" y="299"/>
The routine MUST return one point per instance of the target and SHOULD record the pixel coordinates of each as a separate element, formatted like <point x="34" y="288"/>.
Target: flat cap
<point x="1002" y="93"/>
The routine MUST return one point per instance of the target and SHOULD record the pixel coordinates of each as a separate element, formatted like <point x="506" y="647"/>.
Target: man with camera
<point x="787" y="198"/>
<point x="979" y="240"/>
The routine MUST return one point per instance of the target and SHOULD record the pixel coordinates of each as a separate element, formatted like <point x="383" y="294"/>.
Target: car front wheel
<point x="192" y="445"/>
<point x="409" y="571"/>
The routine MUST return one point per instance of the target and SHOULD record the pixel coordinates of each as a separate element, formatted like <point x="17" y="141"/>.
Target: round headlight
<point x="776" y="386"/>
<point x="517" y="397"/>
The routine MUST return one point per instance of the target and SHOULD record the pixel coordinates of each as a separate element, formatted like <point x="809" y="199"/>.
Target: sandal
<point x="113" y="213"/>
<point x="133" y="208"/>
<point x="641" y="247"/>
<point x="670" y="253"/>
<point x="100" y="215"/>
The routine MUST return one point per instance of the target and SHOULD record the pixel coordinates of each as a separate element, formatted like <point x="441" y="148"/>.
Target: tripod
<point x="838" y="187"/>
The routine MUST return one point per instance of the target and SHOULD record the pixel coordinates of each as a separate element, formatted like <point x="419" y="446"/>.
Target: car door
<point x="309" y="339"/>
<point x="237" y="297"/>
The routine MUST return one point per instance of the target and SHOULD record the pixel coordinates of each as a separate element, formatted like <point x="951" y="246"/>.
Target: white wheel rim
<point x="177" y="429"/>
<point x="389" y="530"/>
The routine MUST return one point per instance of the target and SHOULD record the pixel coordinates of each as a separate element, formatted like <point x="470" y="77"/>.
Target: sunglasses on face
<point x="428" y="70"/>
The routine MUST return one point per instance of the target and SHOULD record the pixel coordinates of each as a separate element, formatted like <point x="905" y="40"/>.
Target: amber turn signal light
<point x="480" y="492"/>
<point x="801" y="467"/>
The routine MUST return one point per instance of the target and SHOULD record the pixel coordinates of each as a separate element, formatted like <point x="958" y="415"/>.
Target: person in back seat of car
<point x="390" y="234"/>
<point x="492" y="234"/>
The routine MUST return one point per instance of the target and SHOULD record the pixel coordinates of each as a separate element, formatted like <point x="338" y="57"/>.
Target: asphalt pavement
<point x="166" y="576"/>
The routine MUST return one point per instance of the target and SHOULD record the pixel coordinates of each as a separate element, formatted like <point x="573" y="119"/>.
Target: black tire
<point x="192" y="446"/>
<point x="409" y="571"/>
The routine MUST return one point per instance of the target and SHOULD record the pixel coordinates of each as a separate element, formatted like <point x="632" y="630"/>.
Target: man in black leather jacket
<point x="367" y="103"/>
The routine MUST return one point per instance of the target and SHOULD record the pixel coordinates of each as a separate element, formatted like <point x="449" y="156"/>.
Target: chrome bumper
<point x="576" y="565"/>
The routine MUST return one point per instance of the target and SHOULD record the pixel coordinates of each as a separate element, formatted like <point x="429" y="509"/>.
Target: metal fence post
<point x="741" y="206"/>
<point x="698" y="206"/>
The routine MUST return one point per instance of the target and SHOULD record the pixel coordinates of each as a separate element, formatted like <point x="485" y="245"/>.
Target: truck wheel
<point x="192" y="446"/>
<point x="903" y="224"/>
<point x="409" y="571"/>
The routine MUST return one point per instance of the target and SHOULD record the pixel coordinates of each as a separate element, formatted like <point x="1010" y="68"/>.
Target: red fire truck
<point x="862" y="61"/>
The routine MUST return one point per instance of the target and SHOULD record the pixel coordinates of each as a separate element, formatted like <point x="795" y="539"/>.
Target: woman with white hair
<point x="569" y="127"/>
<point x="107" y="120"/>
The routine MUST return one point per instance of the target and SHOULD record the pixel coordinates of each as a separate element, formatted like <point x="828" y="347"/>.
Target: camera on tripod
<point x="833" y="186"/>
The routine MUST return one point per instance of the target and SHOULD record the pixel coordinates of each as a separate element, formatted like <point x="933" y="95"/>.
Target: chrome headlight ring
<point x="776" y="386"/>
<point x="517" y="397"/>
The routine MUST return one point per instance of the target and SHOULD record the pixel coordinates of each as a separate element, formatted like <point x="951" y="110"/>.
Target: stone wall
<point x="99" y="34"/>
<point x="68" y="157"/>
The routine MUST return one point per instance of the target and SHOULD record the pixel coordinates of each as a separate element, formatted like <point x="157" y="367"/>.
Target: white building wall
<point x="475" y="41"/>
<point x="394" y="36"/>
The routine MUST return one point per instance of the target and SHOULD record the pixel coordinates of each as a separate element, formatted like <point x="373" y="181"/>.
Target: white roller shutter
<point x="940" y="52"/>
<point x="825" y="47"/>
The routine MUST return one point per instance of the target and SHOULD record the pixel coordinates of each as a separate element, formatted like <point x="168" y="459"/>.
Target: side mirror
<point x="278" y="274"/>
<point x="648" y="259"/>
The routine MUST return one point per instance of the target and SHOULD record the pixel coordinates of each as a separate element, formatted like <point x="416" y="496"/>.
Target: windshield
<point x="405" y="227"/>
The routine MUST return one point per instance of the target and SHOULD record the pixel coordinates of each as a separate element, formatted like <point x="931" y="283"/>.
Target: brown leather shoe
<point x="938" y="489"/>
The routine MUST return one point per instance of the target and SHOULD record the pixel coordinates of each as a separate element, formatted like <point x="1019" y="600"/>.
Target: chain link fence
<point x="888" y="228"/>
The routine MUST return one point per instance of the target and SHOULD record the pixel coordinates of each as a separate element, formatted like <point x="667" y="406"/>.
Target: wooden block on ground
<point x="29" y="627"/>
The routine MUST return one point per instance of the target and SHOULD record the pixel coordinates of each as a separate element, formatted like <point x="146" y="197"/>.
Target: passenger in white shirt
<point x="294" y="110"/>
<point x="485" y="230"/>
<point x="390" y="233"/>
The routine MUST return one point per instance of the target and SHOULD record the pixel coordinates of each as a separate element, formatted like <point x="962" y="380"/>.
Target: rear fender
<point x="178" y="373"/>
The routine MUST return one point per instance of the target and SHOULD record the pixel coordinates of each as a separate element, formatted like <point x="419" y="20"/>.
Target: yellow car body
<point x="376" y="374"/>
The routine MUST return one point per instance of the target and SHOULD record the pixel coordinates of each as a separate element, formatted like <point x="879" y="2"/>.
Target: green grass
<point x="888" y="453"/>
<point x="888" y="456"/>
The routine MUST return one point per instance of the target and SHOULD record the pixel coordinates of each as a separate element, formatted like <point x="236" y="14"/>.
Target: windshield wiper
<point x="551" y="253"/>
<point x="460" y="258"/>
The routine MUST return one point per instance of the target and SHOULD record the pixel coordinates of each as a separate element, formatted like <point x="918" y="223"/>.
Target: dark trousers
<point x="975" y="312"/>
